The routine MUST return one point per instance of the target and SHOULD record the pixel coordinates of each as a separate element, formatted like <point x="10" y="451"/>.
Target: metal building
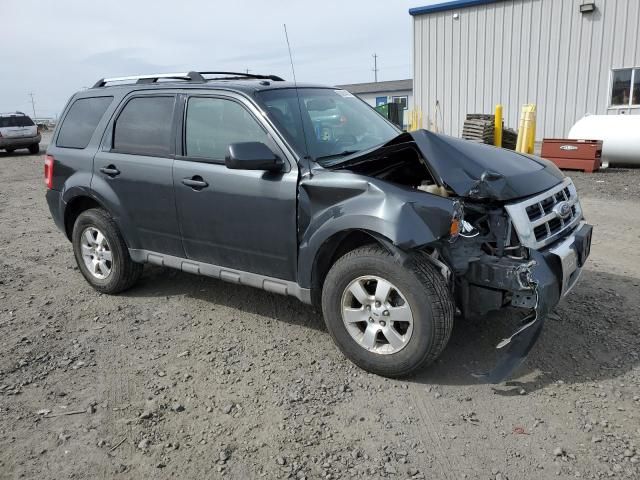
<point x="569" y="57"/>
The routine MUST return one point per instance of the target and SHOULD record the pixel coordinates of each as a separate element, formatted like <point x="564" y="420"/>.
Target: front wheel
<point x="101" y="253"/>
<point x="389" y="319"/>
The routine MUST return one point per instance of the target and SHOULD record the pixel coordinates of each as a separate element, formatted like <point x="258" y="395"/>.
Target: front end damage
<point x="519" y="240"/>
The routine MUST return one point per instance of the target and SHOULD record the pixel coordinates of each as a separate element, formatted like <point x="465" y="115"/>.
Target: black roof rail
<point x="196" y="77"/>
<point x="237" y="75"/>
<point x="152" y="78"/>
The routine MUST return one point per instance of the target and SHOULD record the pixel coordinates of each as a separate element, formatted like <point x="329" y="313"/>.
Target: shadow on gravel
<point x="20" y="153"/>
<point x="160" y="282"/>
<point x="592" y="335"/>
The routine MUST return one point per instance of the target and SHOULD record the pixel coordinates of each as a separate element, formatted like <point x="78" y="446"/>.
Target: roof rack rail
<point x="196" y="77"/>
<point x="152" y="78"/>
<point x="236" y="75"/>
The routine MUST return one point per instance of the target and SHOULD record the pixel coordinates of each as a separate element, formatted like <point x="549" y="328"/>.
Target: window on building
<point x="81" y="121"/>
<point x="381" y="101"/>
<point x="403" y="100"/>
<point x="214" y="123"/>
<point x="625" y="87"/>
<point x="144" y="127"/>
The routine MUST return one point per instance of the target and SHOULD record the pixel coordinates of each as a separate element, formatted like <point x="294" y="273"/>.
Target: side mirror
<point x="252" y="156"/>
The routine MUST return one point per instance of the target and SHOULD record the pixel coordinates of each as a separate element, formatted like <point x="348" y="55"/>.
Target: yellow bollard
<point x="497" y="129"/>
<point x="527" y="129"/>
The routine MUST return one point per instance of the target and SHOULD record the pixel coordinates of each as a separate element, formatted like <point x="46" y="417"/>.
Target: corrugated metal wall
<point x="469" y="64"/>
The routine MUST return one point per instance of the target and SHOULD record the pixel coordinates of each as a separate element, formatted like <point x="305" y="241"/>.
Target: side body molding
<point x="274" y="285"/>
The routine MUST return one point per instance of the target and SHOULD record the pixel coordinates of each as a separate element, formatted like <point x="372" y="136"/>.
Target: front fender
<point x="332" y="202"/>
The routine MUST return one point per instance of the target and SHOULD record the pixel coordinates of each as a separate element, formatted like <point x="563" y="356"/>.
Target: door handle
<point x="196" y="182"/>
<point x="110" y="171"/>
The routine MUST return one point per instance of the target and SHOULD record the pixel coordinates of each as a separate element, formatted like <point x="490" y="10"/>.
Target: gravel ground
<point x="188" y="377"/>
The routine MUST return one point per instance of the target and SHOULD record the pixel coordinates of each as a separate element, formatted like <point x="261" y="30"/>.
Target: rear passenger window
<point x="144" y="127"/>
<point x="214" y="123"/>
<point x="81" y="121"/>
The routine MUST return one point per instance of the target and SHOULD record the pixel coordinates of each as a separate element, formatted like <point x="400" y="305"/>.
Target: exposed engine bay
<point x="509" y="245"/>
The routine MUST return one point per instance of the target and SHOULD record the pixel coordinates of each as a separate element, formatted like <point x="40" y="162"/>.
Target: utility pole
<point x="33" y="105"/>
<point x="375" y="67"/>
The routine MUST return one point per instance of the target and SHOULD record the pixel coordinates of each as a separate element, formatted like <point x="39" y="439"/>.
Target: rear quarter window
<point x="81" y="121"/>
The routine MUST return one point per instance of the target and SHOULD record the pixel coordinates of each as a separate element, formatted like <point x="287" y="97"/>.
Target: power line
<point x="375" y="67"/>
<point x="33" y="105"/>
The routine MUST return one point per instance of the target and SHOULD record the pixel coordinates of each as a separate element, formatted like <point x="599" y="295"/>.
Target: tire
<point x="10" y="150"/>
<point x="418" y="284"/>
<point x="115" y="275"/>
<point x="35" y="148"/>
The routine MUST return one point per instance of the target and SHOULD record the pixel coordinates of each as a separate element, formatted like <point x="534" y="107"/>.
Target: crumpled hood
<point x="482" y="171"/>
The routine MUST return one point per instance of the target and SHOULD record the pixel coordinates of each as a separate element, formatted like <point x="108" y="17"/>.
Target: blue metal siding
<point x="452" y="5"/>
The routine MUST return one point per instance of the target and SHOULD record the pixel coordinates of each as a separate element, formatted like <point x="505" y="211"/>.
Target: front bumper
<point x="19" y="142"/>
<point x="540" y="284"/>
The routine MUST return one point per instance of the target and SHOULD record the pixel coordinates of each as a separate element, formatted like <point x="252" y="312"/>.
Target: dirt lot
<point x="188" y="377"/>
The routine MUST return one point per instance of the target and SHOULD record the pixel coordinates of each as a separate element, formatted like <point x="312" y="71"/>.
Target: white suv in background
<point x="17" y="130"/>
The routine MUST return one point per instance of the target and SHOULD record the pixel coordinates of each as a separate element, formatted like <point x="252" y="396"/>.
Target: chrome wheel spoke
<point x="88" y="237"/>
<point x="400" y="314"/>
<point x="106" y="255"/>
<point x="100" y="240"/>
<point x="358" y="291"/>
<point x="369" y="338"/>
<point x="354" y="315"/>
<point x="393" y="337"/>
<point x="383" y="288"/>
<point x="86" y="251"/>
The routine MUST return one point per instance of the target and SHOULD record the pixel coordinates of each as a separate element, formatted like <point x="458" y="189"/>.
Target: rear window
<point x="144" y="127"/>
<point x="16" y="121"/>
<point x="81" y="121"/>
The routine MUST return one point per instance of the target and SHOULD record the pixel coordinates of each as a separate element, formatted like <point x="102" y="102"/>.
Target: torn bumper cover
<point x="538" y="284"/>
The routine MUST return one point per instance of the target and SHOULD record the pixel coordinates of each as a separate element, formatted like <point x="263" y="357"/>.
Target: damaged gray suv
<point x="305" y="190"/>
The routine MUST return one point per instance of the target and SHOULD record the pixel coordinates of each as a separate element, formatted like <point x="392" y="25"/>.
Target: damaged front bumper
<point x="537" y="284"/>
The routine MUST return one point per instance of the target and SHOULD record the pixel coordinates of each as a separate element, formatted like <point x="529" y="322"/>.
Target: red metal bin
<point x="573" y="154"/>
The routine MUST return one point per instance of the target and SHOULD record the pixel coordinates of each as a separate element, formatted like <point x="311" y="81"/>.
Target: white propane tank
<point x="620" y="135"/>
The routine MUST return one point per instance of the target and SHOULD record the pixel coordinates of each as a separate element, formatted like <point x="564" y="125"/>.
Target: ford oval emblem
<point x="562" y="209"/>
<point x="568" y="147"/>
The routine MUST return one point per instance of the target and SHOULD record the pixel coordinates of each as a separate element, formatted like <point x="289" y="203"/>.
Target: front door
<point x="241" y="219"/>
<point x="133" y="173"/>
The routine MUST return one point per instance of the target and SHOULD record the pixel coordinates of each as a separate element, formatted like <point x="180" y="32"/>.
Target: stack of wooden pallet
<point x="479" y="128"/>
<point x="509" y="138"/>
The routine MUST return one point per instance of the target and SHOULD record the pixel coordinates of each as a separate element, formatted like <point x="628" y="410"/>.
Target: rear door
<point x="242" y="219"/>
<point x="133" y="172"/>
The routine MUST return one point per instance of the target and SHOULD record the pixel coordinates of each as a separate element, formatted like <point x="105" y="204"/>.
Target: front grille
<point x="543" y="219"/>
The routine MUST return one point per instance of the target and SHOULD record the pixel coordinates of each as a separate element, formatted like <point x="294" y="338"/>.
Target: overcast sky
<point x="54" y="48"/>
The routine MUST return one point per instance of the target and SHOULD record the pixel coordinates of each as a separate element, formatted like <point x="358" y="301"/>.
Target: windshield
<point x="334" y="123"/>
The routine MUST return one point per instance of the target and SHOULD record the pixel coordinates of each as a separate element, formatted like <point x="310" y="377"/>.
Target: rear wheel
<point x="387" y="318"/>
<point x="101" y="253"/>
<point x="35" y="148"/>
<point x="10" y="150"/>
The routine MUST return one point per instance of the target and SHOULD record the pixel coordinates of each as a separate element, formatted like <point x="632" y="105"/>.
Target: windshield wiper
<point x="337" y="155"/>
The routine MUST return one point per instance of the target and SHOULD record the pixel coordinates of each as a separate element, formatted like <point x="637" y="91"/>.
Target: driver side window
<point x="214" y="123"/>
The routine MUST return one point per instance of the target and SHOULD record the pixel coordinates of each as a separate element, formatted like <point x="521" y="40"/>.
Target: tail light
<point x="48" y="171"/>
